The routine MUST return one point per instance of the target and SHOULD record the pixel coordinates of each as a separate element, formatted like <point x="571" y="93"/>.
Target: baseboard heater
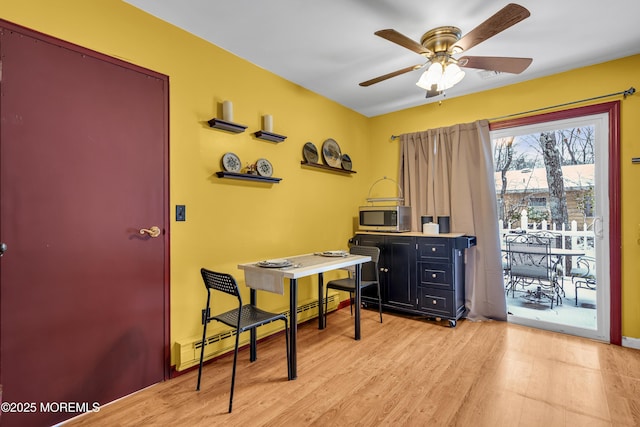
<point x="221" y="340"/>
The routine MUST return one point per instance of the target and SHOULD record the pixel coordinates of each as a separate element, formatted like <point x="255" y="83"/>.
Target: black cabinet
<point x="419" y="274"/>
<point x="397" y="270"/>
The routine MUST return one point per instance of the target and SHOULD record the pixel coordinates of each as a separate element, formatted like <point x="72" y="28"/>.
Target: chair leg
<point x="286" y="339"/>
<point x="233" y="374"/>
<point x="204" y="336"/>
<point x="326" y="304"/>
<point x="351" y="303"/>
<point x="379" y="302"/>
<point x="512" y="286"/>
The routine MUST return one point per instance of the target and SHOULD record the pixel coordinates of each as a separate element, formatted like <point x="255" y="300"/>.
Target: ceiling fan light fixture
<point x="435" y="79"/>
<point x="451" y="76"/>
<point x="431" y="77"/>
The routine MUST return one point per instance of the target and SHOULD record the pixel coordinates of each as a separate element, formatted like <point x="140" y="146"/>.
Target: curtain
<point x="449" y="172"/>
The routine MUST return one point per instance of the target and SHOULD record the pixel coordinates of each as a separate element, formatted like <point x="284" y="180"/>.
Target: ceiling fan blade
<point x="495" y="63"/>
<point x="402" y="40"/>
<point x="393" y="74"/>
<point x="509" y="15"/>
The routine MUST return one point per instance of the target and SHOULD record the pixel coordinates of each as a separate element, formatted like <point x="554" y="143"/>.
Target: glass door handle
<point x="597" y="227"/>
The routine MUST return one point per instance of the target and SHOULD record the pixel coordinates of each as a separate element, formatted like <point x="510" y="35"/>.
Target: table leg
<point x="253" y="351"/>
<point x="321" y="323"/>
<point x="293" y="327"/>
<point x="357" y="300"/>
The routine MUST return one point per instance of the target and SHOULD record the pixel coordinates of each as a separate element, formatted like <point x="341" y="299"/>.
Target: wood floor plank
<point x="405" y="371"/>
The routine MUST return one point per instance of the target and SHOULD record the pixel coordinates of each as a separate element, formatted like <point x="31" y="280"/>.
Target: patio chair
<point x="558" y="261"/>
<point x="530" y="264"/>
<point x="583" y="276"/>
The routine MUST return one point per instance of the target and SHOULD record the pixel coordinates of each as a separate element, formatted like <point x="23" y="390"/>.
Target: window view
<point x="545" y="190"/>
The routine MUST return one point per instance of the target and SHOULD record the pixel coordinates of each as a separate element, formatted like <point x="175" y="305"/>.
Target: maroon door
<point x="83" y="168"/>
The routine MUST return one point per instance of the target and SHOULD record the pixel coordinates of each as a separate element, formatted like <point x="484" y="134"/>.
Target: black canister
<point x="443" y="224"/>
<point x="426" y="219"/>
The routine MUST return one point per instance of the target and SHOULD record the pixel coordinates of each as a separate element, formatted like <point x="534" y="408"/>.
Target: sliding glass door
<point x="552" y="179"/>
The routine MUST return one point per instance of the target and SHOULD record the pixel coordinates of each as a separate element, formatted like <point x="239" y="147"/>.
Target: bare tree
<point x="555" y="180"/>
<point x="503" y="156"/>
<point x="577" y="145"/>
<point x="551" y="150"/>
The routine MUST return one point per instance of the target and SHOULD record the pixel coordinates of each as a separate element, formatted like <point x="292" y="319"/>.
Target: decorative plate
<point x="334" y="254"/>
<point x="275" y="263"/>
<point x="346" y="162"/>
<point x="264" y="168"/>
<point x="310" y="153"/>
<point x="331" y="153"/>
<point x="231" y="162"/>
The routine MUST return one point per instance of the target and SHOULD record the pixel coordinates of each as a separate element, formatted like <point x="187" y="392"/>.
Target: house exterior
<point x="528" y="188"/>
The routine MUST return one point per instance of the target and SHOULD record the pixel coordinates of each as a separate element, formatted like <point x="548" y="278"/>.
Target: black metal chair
<point x="369" y="277"/>
<point x="505" y="269"/>
<point x="242" y="319"/>
<point x="530" y="263"/>
<point x="559" y="262"/>
<point x="583" y="275"/>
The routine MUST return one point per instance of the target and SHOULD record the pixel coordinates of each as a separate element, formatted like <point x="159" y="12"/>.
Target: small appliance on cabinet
<point x="385" y="218"/>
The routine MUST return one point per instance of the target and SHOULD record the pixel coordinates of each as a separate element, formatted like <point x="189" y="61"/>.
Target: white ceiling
<point x="328" y="46"/>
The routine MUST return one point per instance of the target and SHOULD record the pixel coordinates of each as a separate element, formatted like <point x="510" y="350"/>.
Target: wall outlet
<point x="181" y="213"/>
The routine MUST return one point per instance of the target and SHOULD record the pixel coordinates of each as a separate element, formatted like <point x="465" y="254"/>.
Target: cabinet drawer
<point x="436" y="302"/>
<point x="436" y="275"/>
<point x="434" y="248"/>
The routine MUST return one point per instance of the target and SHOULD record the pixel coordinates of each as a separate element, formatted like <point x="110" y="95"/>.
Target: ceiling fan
<point x="440" y="44"/>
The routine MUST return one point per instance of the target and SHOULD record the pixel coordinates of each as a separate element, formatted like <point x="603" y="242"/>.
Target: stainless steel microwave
<point x="385" y="218"/>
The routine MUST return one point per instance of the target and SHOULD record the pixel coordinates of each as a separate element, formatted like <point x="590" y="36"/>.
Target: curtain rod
<point x="625" y="93"/>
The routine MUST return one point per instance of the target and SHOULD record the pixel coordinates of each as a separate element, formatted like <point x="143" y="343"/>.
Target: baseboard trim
<point x="631" y="342"/>
<point x="344" y="303"/>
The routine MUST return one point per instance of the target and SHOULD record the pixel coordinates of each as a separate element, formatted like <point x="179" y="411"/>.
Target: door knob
<point x="152" y="232"/>
<point x="3" y="248"/>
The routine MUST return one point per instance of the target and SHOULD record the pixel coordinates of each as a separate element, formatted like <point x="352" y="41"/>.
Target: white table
<point x="303" y="266"/>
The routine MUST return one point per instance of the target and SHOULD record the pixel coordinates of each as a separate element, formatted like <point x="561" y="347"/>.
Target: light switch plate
<point x="181" y="213"/>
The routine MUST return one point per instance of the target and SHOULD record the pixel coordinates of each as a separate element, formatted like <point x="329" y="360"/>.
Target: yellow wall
<point x="229" y="222"/>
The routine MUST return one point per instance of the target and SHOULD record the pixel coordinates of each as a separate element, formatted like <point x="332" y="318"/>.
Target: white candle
<point x="227" y="111"/>
<point x="268" y="122"/>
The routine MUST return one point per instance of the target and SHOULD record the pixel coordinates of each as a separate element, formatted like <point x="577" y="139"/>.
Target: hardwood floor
<point x="406" y="371"/>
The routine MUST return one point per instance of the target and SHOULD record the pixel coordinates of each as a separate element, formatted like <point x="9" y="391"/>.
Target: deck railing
<point x="574" y="237"/>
